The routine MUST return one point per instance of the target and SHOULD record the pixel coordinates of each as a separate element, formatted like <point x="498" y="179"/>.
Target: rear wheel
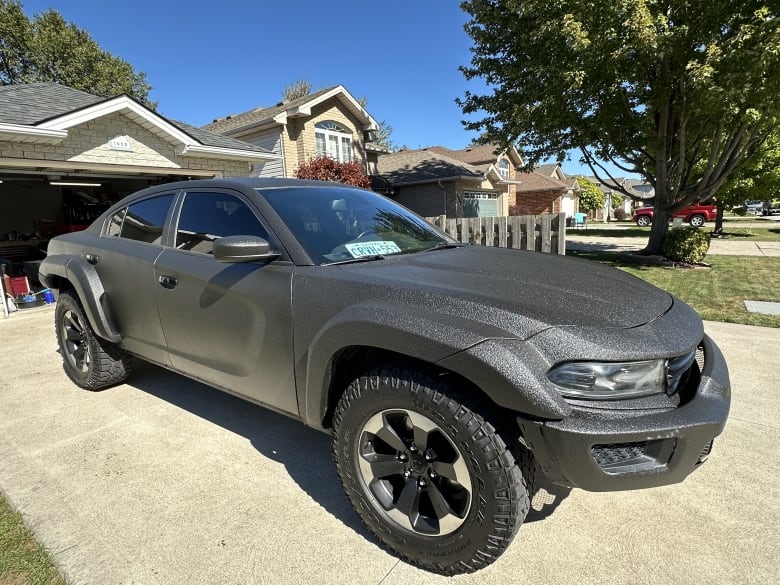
<point x="696" y="220"/>
<point x="427" y="474"/>
<point x="89" y="361"/>
<point x="643" y="221"/>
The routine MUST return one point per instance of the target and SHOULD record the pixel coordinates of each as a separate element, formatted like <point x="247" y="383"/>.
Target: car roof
<point x="253" y="183"/>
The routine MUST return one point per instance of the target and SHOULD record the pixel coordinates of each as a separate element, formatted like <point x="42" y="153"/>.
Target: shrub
<point x="327" y="169"/>
<point x="620" y="214"/>
<point x="686" y="244"/>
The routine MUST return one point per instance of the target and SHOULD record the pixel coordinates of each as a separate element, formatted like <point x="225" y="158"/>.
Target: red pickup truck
<point x="695" y="215"/>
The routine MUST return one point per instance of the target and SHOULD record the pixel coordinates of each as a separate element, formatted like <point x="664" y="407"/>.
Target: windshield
<point x="336" y="224"/>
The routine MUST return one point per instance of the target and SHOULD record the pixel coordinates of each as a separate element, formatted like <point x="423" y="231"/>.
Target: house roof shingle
<point x="34" y="103"/>
<point x="413" y="166"/>
<point x="535" y="181"/>
<point x="259" y="114"/>
<point x="474" y="155"/>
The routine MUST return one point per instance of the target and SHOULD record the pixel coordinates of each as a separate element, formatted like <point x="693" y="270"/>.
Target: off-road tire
<point x="461" y="437"/>
<point x="89" y="361"/>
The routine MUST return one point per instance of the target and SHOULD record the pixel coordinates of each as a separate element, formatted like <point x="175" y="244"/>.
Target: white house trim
<point x="19" y="133"/>
<point x="120" y="103"/>
<point x="225" y="153"/>
<point x="80" y="168"/>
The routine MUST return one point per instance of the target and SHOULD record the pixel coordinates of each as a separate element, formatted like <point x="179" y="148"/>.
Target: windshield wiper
<point x="445" y="246"/>
<point x="360" y="259"/>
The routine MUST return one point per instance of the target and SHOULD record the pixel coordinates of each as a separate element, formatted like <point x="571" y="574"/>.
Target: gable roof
<point x="535" y="181"/>
<point x="423" y="166"/>
<point x="44" y="112"/>
<point x="482" y="155"/>
<point x="548" y="170"/>
<point x="237" y="124"/>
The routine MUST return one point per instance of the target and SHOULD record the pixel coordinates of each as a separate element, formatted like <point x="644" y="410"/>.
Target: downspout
<point x="444" y="190"/>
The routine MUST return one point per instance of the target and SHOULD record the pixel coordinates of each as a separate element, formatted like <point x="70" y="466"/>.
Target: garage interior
<point x="36" y="206"/>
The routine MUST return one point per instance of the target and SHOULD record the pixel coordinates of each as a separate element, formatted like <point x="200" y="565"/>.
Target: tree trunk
<point x="658" y="231"/>
<point x="719" y="221"/>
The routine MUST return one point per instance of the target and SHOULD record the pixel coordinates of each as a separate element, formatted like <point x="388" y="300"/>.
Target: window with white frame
<point x="503" y="169"/>
<point x="333" y="141"/>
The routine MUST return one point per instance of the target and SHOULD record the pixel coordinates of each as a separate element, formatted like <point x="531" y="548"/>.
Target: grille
<point x="618" y="453"/>
<point x="705" y="452"/>
<point x="700" y="358"/>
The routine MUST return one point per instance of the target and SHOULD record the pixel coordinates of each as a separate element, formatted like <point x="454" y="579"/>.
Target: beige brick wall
<point x="88" y="143"/>
<point x="299" y="144"/>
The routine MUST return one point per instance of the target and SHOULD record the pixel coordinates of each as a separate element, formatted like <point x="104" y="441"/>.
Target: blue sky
<point x="206" y="60"/>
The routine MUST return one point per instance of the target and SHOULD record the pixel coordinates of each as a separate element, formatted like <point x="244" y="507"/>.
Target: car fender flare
<point x="86" y="281"/>
<point x="418" y="334"/>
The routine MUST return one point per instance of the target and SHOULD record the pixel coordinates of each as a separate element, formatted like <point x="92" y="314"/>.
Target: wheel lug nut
<point x="432" y="473"/>
<point x="403" y="456"/>
<point x="413" y="448"/>
<point x="421" y="482"/>
<point x="407" y="473"/>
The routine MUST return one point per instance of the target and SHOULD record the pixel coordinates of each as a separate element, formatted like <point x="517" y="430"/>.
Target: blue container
<point x="48" y="296"/>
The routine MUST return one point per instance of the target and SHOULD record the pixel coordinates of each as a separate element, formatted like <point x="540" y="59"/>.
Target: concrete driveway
<point x="164" y="481"/>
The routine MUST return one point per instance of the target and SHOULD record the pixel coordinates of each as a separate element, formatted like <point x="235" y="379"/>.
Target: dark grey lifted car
<point x="448" y="375"/>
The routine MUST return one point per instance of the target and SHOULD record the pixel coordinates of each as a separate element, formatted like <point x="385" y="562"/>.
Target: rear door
<point x="228" y="324"/>
<point x="131" y="243"/>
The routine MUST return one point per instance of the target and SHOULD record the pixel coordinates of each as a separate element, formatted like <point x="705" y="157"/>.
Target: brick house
<point x="329" y="122"/>
<point x="478" y="181"/>
<point x="473" y="182"/>
<point x="546" y="189"/>
<point x="65" y="155"/>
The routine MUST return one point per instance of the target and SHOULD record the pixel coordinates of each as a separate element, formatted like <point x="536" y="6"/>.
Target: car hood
<point x="513" y="293"/>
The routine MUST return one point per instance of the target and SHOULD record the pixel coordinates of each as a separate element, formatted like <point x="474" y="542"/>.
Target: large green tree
<point x="758" y="180"/>
<point x="591" y="197"/>
<point x="47" y="48"/>
<point x="682" y="92"/>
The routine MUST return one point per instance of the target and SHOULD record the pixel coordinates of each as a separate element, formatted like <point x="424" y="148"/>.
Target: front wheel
<point x="427" y="474"/>
<point x="643" y="221"/>
<point x="89" y="361"/>
<point x="696" y="220"/>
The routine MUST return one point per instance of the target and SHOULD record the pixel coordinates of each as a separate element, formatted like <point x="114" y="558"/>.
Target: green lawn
<point x="22" y="560"/>
<point x="717" y="293"/>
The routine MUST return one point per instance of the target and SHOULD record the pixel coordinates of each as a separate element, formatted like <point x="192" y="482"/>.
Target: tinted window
<point x="336" y="224"/>
<point x="208" y="216"/>
<point x="144" y="221"/>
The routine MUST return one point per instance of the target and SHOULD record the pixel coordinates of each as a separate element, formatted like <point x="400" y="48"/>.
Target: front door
<point x="228" y="324"/>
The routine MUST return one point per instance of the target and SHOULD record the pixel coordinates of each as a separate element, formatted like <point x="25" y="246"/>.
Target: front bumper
<point x="599" y="452"/>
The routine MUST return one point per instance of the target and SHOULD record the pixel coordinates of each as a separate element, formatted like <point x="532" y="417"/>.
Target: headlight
<point x="606" y="380"/>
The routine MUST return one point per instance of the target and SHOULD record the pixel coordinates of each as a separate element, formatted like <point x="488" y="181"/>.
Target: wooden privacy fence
<point x="541" y="233"/>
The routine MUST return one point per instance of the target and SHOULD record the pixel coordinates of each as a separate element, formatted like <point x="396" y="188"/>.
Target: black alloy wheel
<point x="415" y="471"/>
<point x="427" y="471"/>
<point x="89" y="361"/>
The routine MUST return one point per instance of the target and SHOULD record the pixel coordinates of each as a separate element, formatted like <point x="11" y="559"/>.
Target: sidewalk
<point x="578" y="240"/>
<point x="163" y="481"/>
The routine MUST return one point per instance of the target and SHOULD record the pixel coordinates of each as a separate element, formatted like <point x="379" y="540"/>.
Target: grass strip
<point x="22" y="560"/>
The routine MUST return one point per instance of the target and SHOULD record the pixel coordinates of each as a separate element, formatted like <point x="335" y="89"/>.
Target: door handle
<point x="168" y="281"/>
<point x="92" y="258"/>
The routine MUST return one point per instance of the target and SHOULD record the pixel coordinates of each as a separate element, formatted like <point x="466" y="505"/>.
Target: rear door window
<point x="143" y="221"/>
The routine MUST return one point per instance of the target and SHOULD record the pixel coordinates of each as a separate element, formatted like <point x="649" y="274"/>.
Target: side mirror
<point x="243" y="249"/>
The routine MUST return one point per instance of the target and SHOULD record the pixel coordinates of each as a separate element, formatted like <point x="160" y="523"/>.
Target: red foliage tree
<point x="327" y="169"/>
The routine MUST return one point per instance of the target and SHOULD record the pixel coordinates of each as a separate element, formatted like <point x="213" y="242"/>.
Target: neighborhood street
<point x="164" y="481"/>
